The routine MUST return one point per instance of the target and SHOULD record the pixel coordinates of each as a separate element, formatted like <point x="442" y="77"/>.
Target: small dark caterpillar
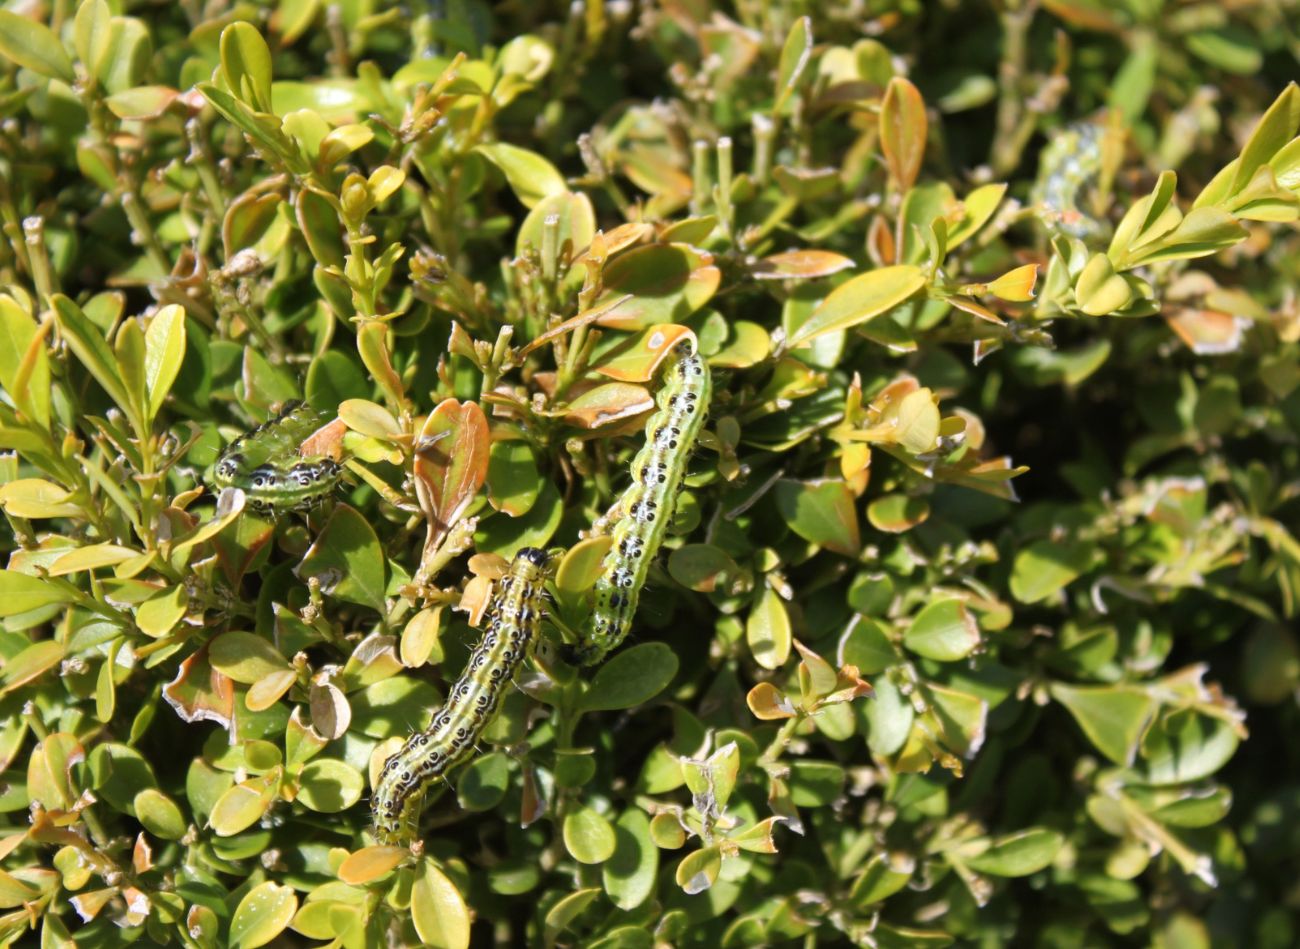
<point x="265" y="464"/>
<point x="513" y="622"/>
<point x="646" y="508"/>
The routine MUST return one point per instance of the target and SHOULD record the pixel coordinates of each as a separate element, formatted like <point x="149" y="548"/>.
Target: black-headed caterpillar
<point x="645" y="510"/>
<point x="514" y="619"/>
<point x="266" y="465"/>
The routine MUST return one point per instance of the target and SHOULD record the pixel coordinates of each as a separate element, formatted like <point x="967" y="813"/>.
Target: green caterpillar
<point x="513" y="623"/>
<point x="265" y="464"/>
<point x="1069" y="164"/>
<point x="646" y="508"/>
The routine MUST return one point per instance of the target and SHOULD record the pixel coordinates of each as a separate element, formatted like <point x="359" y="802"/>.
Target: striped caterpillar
<point x="646" y="508"/>
<point x="266" y="465"/>
<point x="513" y="622"/>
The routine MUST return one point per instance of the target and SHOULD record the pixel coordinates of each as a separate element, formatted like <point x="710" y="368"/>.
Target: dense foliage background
<point x="927" y="249"/>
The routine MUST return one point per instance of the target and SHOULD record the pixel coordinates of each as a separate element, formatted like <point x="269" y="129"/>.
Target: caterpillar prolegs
<point x="266" y="465"/>
<point x="646" y="508"/>
<point x="513" y="623"/>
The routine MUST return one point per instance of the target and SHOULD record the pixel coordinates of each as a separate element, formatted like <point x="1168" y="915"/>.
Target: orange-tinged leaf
<point x="590" y="315"/>
<point x="371" y="863"/>
<point x="800" y="265"/>
<point x="769" y="703"/>
<point x="1016" y="285"/>
<point x="1208" y="332"/>
<point x="609" y="403"/>
<point x="608" y="243"/>
<point x="201" y="693"/>
<point x="638" y="359"/>
<point x="451" y="463"/>
<point x="977" y="310"/>
<point x="903" y="130"/>
<point x="326" y="441"/>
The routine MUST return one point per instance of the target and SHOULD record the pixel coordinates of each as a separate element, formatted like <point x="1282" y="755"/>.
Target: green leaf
<point x="329" y="786"/>
<point x="37" y="498"/>
<point x="246" y="61"/>
<point x="588" y="836"/>
<point x="93" y="35"/>
<point x="883" y="876"/>
<point x="1100" y="290"/>
<point x="630" y="678"/>
<point x="815" y="783"/>
<point x="20" y="593"/>
<point x="866" y="645"/>
<point x="484" y="782"/>
<point x="245" y="657"/>
<point x="24" y="362"/>
<point x="262" y="914"/>
<point x="858" y="300"/>
<point x="90" y="347"/>
<point x="977" y="210"/>
<point x="897" y="513"/>
<point x="703" y="568"/>
<point x="31" y="663"/>
<point x="821" y="512"/>
<point x="1204" y="231"/>
<point x="1231" y="49"/>
<point x="1045" y="567"/>
<point x="159" y="814"/>
<point x="530" y="176"/>
<point x="244" y="804"/>
<point x="575" y="224"/>
<point x="438" y="911"/>
<point x="629" y="874"/>
<point x="568" y="909"/>
<point x="347" y="560"/>
<point x="1114" y="717"/>
<point x="699" y="870"/>
<point x="1019" y="854"/>
<point x="164" y="352"/>
<point x="1275" y="129"/>
<point x="944" y="630"/>
<point x="513" y="479"/>
<point x="889" y="717"/>
<point x="34" y="46"/>
<point x="767" y="630"/>
<point x="795" y="54"/>
<point x="1187" y="747"/>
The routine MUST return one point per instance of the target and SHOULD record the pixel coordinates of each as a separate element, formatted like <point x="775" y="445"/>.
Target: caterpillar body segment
<point x="514" y="620"/>
<point x="646" y="508"/>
